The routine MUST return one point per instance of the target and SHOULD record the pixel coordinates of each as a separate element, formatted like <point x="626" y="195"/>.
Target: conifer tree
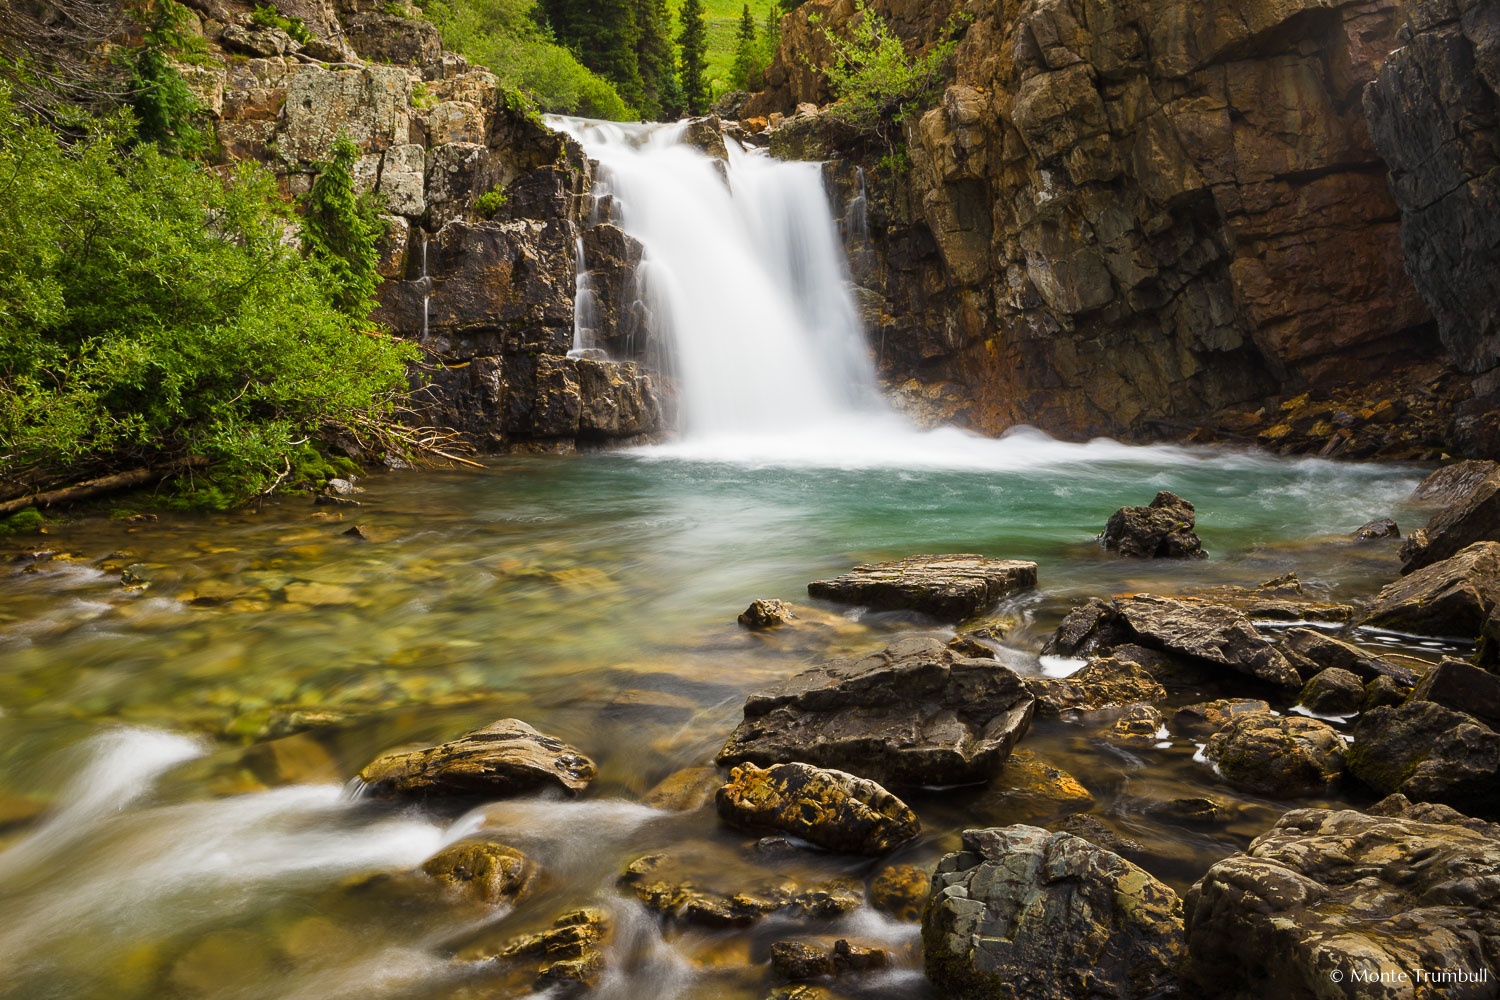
<point x="341" y="230"/>
<point x="693" y="65"/>
<point x="746" y="53"/>
<point x="603" y="34"/>
<point x="654" y="56"/>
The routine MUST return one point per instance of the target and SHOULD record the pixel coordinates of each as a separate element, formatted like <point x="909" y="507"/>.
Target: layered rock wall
<point x="1122" y="213"/>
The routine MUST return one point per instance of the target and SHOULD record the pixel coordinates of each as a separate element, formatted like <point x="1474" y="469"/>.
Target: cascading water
<point x="747" y="278"/>
<point x="585" y="312"/>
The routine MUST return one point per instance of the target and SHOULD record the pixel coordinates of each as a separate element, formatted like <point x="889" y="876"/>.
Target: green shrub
<point x="150" y="310"/>
<point x="166" y="110"/>
<point x="876" y="82"/>
<point x="270" y="17"/>
<point x="490" y="202"/>
<point x="342" y="230"/>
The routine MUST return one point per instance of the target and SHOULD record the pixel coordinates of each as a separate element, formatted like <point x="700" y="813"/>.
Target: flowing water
<point x="184" y="701"/>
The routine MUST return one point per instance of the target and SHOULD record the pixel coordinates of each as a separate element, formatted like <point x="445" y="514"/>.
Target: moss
<point x="23" y="522"/>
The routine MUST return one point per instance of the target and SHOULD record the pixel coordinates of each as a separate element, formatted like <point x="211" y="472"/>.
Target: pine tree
<point x="341" y="230"/>
<point x="693" y="67"/>
<point x="746" y="53"/>
<point x="654" y="56"/>
<point x="673" y="103"/>
<point x="603" y="34"/>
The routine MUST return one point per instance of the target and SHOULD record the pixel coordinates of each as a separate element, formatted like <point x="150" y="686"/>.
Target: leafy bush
<point x="490" y="202"/>
<point x="878" y="84"/>
<point x="342" y="231"/>
<point x="166" y="111"/>
<point x="269" y="17"/>
<point x="504" y="36"/>
<point x="151" y="309"/>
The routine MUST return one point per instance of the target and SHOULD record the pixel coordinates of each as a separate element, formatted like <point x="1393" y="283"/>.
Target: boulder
<point x="764" y="614"/>
<point x="1400" y="806"/>
<point x="832" y="809"/>
<point x="1448" y="598"/>
<point x="794" y="961"/>
<point x="1463" y="687"/>
<point x="901" y="891"/>
<point x="1021" y="912"/>
<point x="1475" y="518"/>
<point x="915" y="713"/>
<point x="1210" y="635"/>
<point x="1139" y="726"/>
<point x="705" y="134"/>
<point x="484" y="871"/>
<point x="567" y="954"/>
<point x="1332" y="692"/>
<point x="507" y="757"/>
<point x="711" y="890"/>
<point x="1377" y="530"/>
<point x="1453" y="484"/>
<point x="1429" y="754"/>
<point x="1163" y="530"/>
<point x="1208" y="717"/>
<point x="950" y="587"/>
<point x="1311" y="652"/>
<point x="1105" y="682"/>
<point x="1324" y="895"/>
<point x="1383" y="691"/>
<point x="1278" y="755"/>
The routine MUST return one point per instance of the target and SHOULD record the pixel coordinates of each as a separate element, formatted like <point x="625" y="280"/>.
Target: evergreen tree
<point x="603" y="34"/>
<point x="654" y="56"/>
<point x="746" y="54"/>
<point x="673" y="103"/>
<point x="693" y="65"/>
<point x="341" y="231"/>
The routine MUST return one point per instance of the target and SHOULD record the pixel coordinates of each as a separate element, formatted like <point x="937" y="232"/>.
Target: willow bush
<point x="154" y="310"/>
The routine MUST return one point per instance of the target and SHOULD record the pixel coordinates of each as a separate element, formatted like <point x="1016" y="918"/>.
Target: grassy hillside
<point x="723" y="18"/>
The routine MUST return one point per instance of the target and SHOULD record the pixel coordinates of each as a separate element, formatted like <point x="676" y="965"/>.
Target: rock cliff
<point x="1123" y="217"/>
<point x="487" y="292"/>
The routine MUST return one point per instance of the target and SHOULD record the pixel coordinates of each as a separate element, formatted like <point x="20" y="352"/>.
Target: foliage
<point x="878" y="84"/>
<point x="166" y="110"/>
<point x="151" y="310"/>
<point x="341" y="229"/>
<point x="490" y="202"/>
<point x="504" y="35"/>
<point x="269" y="17"/>
<point x="603" y="34"/>
<point x="746" y="54"/>
<point x="656" y="58"/>
<point x="692" y="61"/>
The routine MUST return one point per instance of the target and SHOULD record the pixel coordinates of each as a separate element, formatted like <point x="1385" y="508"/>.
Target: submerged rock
<point x="711" y="891"/>
<point x="685" y="790"/>
<point x="1140" y="726"/>
<point x="832" y="809"/>
<point x="1283" y="756"/>
<point x="1279" y="600"/>
<point x="1376" y="530"/>
<point x="914" y="713"/>
<point x="798" y="960"/>
<point x="1211" y="635"/>
<point x="762" y="614"/>
<point x="1429" y="754"/>
<point x="507" y="757"/>
<point x="950" y="587"/>
<point x="1021" y="912"/>
<point x="1326" y="894"/>
<point x="1448" y="598"/>
<point x="485" y="871"/>
<point x="1030" y="789"/>
<point x="1105" y="682"/>
<point x="568" y="953"/>
<point x="1332" y="692"/>
<point x="901" y="891"/>
<point x="1163" y="530"/>
<point x="1208" y="717"/>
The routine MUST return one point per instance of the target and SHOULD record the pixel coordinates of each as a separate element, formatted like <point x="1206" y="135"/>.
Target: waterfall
<point x="426" y="290"/>
<point x="745" y="277"/>
<point x="585" y="312"/>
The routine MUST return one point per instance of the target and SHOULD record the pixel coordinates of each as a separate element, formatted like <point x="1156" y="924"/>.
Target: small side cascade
<point x="856" y="216"/>
<point x="426" y="290"/>
<point x="585" y="313"/>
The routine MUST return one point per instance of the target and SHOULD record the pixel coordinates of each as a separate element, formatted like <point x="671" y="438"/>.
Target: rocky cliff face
<point x="1434" y="113"/>
<point x="488" y="295"/>
<point x="1134" y="212"/>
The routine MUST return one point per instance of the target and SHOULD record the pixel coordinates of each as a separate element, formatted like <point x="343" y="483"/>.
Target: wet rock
<point x="484" y="871"/>
<point x="901" y="891"/>
<point x="1429" y="754"/>
<point x="1104" y="682"/>
<point x="913" y="714"/>
<point x="1453" y="484"/>
<point x="1464" y="687"/>
<point x="1277" y="755"/>
<point x="685" y="790"/>
<point x="1211" y="635"/>
<point x="507" y="757"/>
<point x="1163" y="530"/>
<point x="710" y="892"/>
<point x="1333" y="692"/>
<point x="1376" y="530"/>
<point x="1383" y="691"/>
<point x="705" y="134"/>
<point x="763" y="614"/>
<point x="1400" y="806"/>
<point x="1324" y="894"/>
<point x="1448" y="598"/>
<point x="1208" y="717"/>
<point x="950" y="587"/>
<point x="1140" y="726"/>
<point x="1475" y="518"/>
<point x="567" y="954"/>
<point x="1196" y="810"/>
<point x="1048" y="916"/>
<point x="1090" y="828"/>
<point x="1031" y="789"/>
<point x="965" y="645"/>
<point x="832" y="809"/>
<point x="1312" y="652"/>
<point x="1280" y="600"/>
<point x="799" y="960"/>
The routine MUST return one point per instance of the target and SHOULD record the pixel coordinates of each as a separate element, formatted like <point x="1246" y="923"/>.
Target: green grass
<point x="723" y="18"/>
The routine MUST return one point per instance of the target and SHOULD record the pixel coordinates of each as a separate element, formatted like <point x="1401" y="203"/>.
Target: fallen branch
<point x="94" y="487"/>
